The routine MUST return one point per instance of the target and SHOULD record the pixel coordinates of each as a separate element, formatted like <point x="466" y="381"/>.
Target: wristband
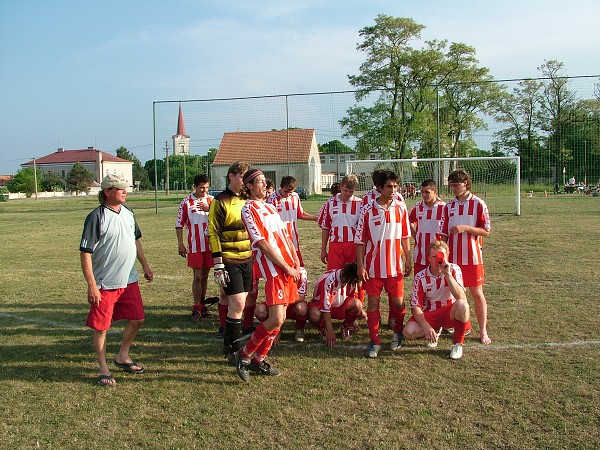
<point x="219" y="266"/>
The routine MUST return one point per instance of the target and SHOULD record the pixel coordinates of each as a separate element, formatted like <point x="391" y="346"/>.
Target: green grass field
<point x="536" y="386"/>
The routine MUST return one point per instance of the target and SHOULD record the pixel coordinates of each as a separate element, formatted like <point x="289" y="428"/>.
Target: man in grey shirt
<point x="109" y="246"/>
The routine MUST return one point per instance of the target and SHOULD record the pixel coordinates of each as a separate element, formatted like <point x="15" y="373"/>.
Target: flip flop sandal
<point x="127" y="367"/>
<point x="106" y="381"/>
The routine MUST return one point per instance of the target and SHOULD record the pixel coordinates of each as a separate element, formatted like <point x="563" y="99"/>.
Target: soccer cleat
<point x="204" y="312"/>
<point x="299" y="336"/>
<point x="456" y="351"/>
<point x="373" y="350"/>
<point x="264" y="368"/>
<point x="346" y="332"/>
<point x="195" y="315"/>
<point x="220" y="333"/>
<point x="397" y="341"/>
<point x="437" y="337"/>
<point x="211" y="300"/>
<point x="241" y="368"/>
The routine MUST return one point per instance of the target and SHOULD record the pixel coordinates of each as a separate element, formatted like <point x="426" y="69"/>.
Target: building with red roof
<point x="96" y="161"/>
<point x="277" y="153"/>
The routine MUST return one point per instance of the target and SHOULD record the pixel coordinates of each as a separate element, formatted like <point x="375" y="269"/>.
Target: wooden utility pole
<point x="167" y="172"/>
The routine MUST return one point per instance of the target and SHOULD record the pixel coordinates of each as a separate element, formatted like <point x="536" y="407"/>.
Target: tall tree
<point x="521" y="111"/>
<point x="558" y="109"/>
<point x="139" y="172"/>
<point x="52" y="182"/>
<point x="334" y="147"/>
<point x="79" y="179"/>
<point x="400" y="82"/>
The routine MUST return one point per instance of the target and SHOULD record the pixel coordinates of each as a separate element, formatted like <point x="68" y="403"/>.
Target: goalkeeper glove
<point x="221" y="275"/>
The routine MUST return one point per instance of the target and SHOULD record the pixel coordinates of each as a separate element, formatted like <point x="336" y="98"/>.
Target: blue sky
<point x="81" y="73"/>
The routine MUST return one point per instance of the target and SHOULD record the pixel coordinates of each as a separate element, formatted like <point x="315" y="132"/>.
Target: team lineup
<point x="249" y="233"/>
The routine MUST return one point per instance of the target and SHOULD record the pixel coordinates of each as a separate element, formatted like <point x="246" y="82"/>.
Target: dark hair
<point x="375" y="174"/>
<point x="102" y="197"/>
<point x="460" y="176"/>
<point x="384" y="176"/>
<point x="270" y="184"/>
<point x="288" y="182"/>
<point x="430" y="184"/>
<point x="201" y="178"/>
<point x="349" y="274"/>
<point x="335" y="188"/>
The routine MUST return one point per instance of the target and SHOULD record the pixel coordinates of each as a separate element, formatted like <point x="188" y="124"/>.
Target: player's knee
<point x="410" y="331"/>
<point x="355" y="305"/>
<point x="314" y="315"/>
<point x="300" y="308"/>
<point x="261" y="312"/>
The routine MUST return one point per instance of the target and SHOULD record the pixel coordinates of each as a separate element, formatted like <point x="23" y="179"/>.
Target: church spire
<point x="180" y="124"/>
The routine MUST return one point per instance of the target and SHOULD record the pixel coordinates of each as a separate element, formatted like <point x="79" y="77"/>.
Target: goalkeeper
<point x="232" y="255"/>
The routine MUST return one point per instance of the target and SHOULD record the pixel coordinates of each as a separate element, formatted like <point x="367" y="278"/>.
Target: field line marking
<point x="468" y="346"/>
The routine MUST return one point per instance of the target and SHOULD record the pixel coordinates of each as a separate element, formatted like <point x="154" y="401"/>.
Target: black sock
<point x="233" y="333"/>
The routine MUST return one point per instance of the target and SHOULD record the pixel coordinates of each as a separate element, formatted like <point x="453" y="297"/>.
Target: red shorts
<point x="202" y="260"/>
<point x="116" y="304"/>
<point x="472" y="275"/>
<point x="340" y="254"/>
<point x="394" y="286"/>
<point x="280" y="290"/>
<point x="338" y="312"/>
<point x="439" y="318"/>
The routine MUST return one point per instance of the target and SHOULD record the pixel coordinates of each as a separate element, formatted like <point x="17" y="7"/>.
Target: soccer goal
<point x="494" y="179"/>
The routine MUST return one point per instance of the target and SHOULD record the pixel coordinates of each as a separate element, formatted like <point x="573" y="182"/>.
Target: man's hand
<point x="221" y="275"/>
<point x="94" y="295"/>
<point x="324" y="256"/>
<point x="148" y="274"/>
<point x="182" y="250"/>
<point x="330" y="338"/>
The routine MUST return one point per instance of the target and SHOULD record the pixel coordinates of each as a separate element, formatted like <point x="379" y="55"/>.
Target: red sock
<point x="259" y="335"/>
<point x="197" y="307"/>
<point x="373" y="318"/>
<point x="398" y="318"/>
<point x="248" y="319"/>
<point x="265" y="346"/>
<point x="222" y="314"/>
<point x="350" y="318"/>
<point x="460" y="328"/>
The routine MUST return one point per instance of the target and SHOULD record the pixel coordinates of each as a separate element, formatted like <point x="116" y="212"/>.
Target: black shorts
<point x="240" y="278"/>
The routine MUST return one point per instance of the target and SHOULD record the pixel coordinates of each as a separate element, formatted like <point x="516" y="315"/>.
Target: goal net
<point x="494" y="179"/>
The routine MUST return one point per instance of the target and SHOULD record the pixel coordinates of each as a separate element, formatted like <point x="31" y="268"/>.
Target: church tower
<point x="181" y="141"/>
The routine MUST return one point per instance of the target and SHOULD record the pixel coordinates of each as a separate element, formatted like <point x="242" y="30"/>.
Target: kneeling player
<point x="438" y="301"/>
<point x="336" y="297"/>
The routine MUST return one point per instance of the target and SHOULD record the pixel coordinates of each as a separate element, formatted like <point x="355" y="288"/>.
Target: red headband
<point x="253" y="176"/>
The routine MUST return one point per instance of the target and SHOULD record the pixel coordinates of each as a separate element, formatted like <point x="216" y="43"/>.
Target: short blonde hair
<point x="438" y="245"/>
<point x="350" y="181"/>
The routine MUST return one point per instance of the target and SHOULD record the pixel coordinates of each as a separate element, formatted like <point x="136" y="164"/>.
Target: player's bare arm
<point x="93" y="294"/>
<point x="148" y="274"/>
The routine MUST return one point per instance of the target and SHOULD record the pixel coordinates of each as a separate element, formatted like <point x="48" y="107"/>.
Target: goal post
<point x="495" y="179"/>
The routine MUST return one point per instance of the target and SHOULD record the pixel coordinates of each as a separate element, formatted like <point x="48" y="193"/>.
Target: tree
<point x="138" y="171"/>
<point x="52" y="182"/>
<point x="24" y="181"/>
<point x="79" y="179"/>
<point x="521" y="111"/>
<point x="404" y="85"/>
<point x="558" y="110"/>
<point x="334" y="147"/>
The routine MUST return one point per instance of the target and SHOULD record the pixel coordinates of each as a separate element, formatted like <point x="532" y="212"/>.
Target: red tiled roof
<point x="73" y="156"/>
<point x="260" y="147"/>
<point x="5" y="179"/>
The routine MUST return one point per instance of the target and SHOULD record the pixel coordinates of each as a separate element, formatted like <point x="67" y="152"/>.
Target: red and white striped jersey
<point x="290" y="210"/>
<point x="263" y="223"/>
<point x="381" y="231"/>
<point x="465" y="248"/>
<point x="374" y="194"/>
<point x="191" y="217"/>
<point x="340" y="218"/>
<point x="427" y="222"/>
<point x="430" y="292"/>
<point x="330" y="292"/>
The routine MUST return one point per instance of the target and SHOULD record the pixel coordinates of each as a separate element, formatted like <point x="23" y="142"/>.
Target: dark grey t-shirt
<point x="110" y="237"/>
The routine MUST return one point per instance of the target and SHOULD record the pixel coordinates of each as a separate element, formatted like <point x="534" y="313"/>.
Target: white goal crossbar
<point x="496" y="179"/>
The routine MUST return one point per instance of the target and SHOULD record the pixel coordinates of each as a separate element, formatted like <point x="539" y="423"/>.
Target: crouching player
<point x="438" y="301"/>
<point x="336" y="297"/>
<point x="279" y="266"/>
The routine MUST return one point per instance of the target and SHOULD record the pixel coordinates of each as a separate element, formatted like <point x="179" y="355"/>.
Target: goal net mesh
<point x="494" y="179"/>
